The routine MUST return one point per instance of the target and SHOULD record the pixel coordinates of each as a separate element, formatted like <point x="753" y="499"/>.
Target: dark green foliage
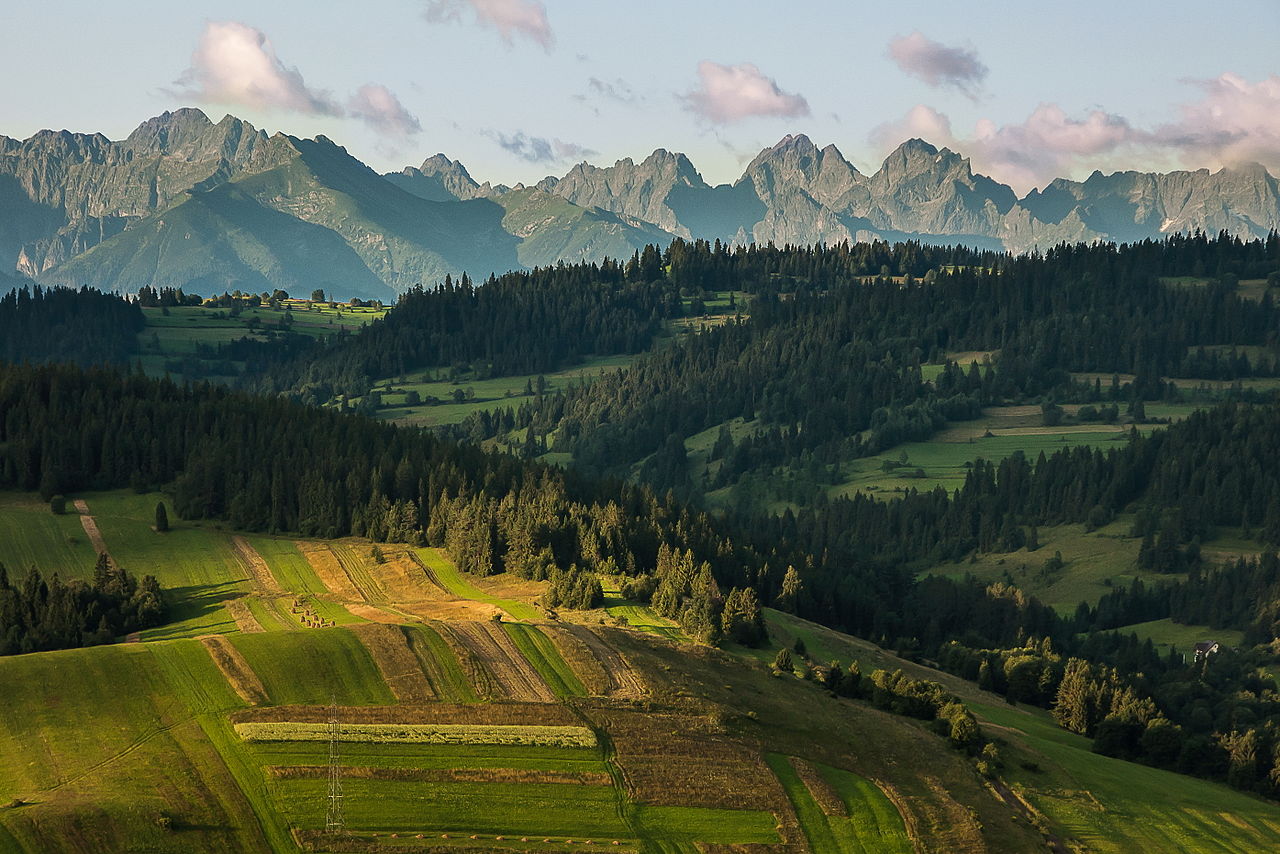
<point x="43" y="614"/>
<point x="64" y="325"/>
<point x="58" y="505"/>
<point x="162" y="518"/>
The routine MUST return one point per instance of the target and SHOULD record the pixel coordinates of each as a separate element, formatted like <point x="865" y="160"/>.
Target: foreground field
<point x="469" y="720"/>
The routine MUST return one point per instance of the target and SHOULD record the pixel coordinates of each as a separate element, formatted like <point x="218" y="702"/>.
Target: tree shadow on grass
<point x="193" y="604"/>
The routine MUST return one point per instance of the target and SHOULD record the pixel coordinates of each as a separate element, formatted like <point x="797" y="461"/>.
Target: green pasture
<point x="103" y="726"/>
<point x="1115" y="807"/>
<point x="871" y="827"/>
<point x="542" y="654"/>
<point x="32" y="536"/>
<point x="1094" y="563"/>
<point x="636" y="615"/>
<point x="483" y="395"/>
<point x="195" y="565"/>
<point x="1168" y="635"/>
<point x="533" y="809"/>
<point x="314" y="667"/>
<point x="457" y="583"/>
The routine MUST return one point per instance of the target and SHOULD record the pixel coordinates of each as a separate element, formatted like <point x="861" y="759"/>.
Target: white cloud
<point x="236" y="64"/>
<point x="539" y="149"/>
<point x="511" y="18"/>
<point x="378" y="107"/>
<point x="730" y="93"/>
<point x="937" y="64"/>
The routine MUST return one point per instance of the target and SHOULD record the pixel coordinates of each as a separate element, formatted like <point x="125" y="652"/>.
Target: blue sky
<point x="518" y="89"/>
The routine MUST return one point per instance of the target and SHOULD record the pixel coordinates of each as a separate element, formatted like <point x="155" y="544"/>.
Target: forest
<point x="828" y="360"/>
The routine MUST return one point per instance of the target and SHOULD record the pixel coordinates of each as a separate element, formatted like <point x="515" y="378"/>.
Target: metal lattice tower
<point x="333" y="817"/>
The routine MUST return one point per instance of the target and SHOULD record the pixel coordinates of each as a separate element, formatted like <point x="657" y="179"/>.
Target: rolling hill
<point x="470" y="718"/>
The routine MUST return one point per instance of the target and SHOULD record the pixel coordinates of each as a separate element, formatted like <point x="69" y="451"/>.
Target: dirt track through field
<point x="237" y="671"/>
<point x="329" y="569"/>
<point x="399" y="666"/>
<point x="624" y="681"/>
<point x="508" y="672"/>
<point x="257" y="567"/>
<point x="90" y="526"/>
<point x="239" y="611"/>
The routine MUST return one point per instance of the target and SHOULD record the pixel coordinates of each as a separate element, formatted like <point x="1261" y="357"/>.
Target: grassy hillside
<point x="452" y="724"/>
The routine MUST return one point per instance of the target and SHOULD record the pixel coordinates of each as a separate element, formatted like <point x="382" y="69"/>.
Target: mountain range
<point x="186" y="202"/>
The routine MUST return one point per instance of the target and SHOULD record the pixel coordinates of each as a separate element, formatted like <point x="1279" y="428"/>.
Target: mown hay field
<point x="314" y="667"/>
<point x="551" y="736"/>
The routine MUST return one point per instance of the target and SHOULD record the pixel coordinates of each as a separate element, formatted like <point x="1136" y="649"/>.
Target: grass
<point x="32" y="536"/>
<point x="529" y="757"/>
<point x="483" y="395"/>
<point x="637" y="615"/>
<point x="103" y="727"/>
<point x="870" y="826"/>
<point x="1168" y="635"/>
<point x="440" y="664"/>
<point x="196" y="566"/>
<point x="702" y="824"/>
<point x="1109" y="805"/>
<point x="530" y="809"/>
<point x="542" y="654"/>
<point x="1094" y="563"/>
<point x="460" y="585"/>
<point x="314" y="667"/>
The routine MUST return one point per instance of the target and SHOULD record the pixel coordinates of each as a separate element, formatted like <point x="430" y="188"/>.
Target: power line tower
<point x="333" y="817"/>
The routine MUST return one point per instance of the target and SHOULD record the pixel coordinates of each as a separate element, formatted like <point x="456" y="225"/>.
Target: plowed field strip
<point x="508" y="671"/>
<point x="399" y="666"/>
<point x="623" y="678"/>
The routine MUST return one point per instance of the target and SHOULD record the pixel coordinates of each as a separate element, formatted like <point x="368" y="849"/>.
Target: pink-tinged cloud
<point x="1049" y="144"/>
<point x="937" y="64"/>
<point x="511" y="18"/>
<point x="378" y="107"/>
<point x="236" y="64"/>
<point x="1234" y="122"/>
<point x="731" y="93"/>
<point x="920" y="122"/>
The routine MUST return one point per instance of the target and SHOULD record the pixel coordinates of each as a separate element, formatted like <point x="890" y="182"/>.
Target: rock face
<point x="185" y="202"/>
<point x="63" y="193"/>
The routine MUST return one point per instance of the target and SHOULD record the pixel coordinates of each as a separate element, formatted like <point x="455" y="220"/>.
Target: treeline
<point x="269" y="463"/>
<point x="518" y="323"/>
<point x="828" y="362"/>
<point x="65" y="325"/>
<point x="38" y="614"/>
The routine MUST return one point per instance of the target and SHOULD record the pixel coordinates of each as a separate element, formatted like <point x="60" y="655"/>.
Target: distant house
<point x="1204" y="649"/>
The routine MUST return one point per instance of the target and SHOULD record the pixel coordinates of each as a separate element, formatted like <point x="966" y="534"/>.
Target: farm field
<point x="176" y="715"/>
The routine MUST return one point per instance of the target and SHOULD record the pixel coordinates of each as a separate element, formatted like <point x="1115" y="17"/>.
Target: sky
<point x="520" y="89"/>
